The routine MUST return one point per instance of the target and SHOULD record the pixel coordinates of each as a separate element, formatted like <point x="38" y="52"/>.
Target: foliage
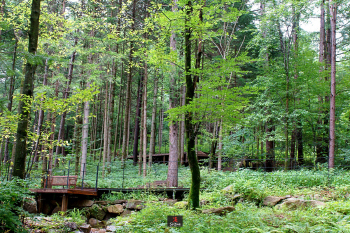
<point x="11" y="197"/>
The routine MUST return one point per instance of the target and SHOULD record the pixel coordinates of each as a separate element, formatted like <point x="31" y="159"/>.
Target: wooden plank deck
<point x="92" y="192"/>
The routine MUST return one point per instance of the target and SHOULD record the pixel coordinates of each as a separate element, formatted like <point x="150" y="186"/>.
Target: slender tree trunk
<point x="144" y="126"/>
<point x="270" y="154"/>
<point x="161" y="117"/>
<point x="137" y="121"/>
<point x="182" y="136"/>
<point x="105" y="134"/>
<point x="85" y="135"/>
<point x="220" y="145"/>
<point x="27" y="91"/>
<point x="153" y="124"/>
<point x="128" y="90"/>
<point x="333" y="11"/>
<point x="77" y="137"/>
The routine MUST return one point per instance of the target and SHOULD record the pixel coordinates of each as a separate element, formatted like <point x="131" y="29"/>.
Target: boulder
<point x="126" y="212"/>
<point x="97" y="212"/>
<point x="219" y="211"/>
<point x="111" y="228"/>
<point x="272" y="200"/>
<point x="294" y="203"/>
<point x="95" y="223"/>
<point x="135" y="205"/>
<point x="115" y="209"/>
<point x="86" y="228"/>
<point x="30" y="205"/>
<point x="97" y="230"/>
<point x="71" y="225"/>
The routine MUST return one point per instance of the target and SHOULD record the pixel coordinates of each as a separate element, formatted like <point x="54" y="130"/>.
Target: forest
<point x="264" y="83"/>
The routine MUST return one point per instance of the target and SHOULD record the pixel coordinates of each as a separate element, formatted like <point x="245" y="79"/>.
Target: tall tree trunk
<point x="105" y="133"/>
<point x="333" y="11"/>
<point x="85" y="136"/>
<point x="172" y="179"/>
<point x="27" y="91"/>
<point x="137" y="121"/>
<point x="153" y="124"/>
<point x="144" y="126"/>
<point x="161" y="118"/>
<point x="320" y="155"/>
<point x="128" y="90"/>
<point x="190" y="128"/>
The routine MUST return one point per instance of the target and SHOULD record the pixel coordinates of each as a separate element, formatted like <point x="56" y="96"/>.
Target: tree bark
<point x="333" y="11"/>
<point x="137" y="121"/>
<point x="27" y="92"/>
<point x="144" y="126"/>
<point x="153" y="124"/>
<point x="190" y="129"/>
<point x="172" y="179"/>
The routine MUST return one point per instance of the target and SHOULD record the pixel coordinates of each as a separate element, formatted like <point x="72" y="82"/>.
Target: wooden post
<point x="64" y="203"/>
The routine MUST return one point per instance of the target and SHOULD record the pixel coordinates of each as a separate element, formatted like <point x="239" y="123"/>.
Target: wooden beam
<point x="64" y="203"/>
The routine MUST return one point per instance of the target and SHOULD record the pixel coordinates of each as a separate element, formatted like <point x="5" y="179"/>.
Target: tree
<point x="27" y="94"/>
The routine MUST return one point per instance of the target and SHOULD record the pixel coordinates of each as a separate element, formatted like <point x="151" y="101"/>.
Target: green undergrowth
<point x="246" y="218"/>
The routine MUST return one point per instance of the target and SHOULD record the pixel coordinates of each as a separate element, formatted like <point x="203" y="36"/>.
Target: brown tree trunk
<point x="144" y="126"/>
<point x="333" y="11"/>
<point x="137" y="121"/>
<point x="128" y="90"/>
<point x="27" y="90"/>
<point x="172" y="179"/>
<point x="153" y="124"/>
<point x="270" y="148"/>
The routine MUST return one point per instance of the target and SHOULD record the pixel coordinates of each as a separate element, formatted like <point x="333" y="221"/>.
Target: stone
<point x="272" y="200"/>
<point x="203" y="202"/>
<point x="86" y="228"/>
<point x="118" y="202"/>
<point x="82" y="203"/>
<point x="97" y="212"/>
<point x="95" y="223"/>
<point x="135" y="205"/>
<point x="111" y="228"/>
<point x="71" y="225"/>
<point x="126" y="212"/>
<point x="315" y="203"/>
<point x="30" y="205"/>
<point x="115" y="209"/>
<point x="97" y="230"/>
<point x="219" y="211"/>
<point x="228" y="189"/>
<point x="294" y="203"/>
